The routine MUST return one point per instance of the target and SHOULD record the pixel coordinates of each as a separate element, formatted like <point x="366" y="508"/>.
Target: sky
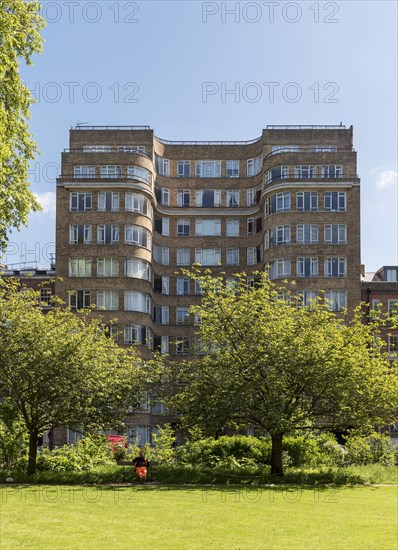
<point x="197" y="70"/>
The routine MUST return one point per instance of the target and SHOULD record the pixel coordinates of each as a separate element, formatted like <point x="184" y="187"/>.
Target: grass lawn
<point x="171" y="517"/>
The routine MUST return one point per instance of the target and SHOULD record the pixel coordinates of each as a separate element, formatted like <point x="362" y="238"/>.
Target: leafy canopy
<point x="20" y="25"/>
<point x="280" y="365"/>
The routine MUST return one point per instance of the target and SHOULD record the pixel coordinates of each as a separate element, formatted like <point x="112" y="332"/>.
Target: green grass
<point x="150" y="517"/>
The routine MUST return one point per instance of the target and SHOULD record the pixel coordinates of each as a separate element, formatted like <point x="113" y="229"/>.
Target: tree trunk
<point x="276" y="454"/>
<point x="33" y="435"/>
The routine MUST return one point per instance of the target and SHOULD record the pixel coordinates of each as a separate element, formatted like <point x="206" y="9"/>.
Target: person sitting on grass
<point x="141" y="465"/>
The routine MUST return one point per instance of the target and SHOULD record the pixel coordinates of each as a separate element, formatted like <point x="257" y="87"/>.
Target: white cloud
<point x="386" y="178"/>
<point x="47" y="201"/>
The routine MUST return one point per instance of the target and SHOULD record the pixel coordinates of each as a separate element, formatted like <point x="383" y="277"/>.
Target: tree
<point x="61" y="368"/>
<point x="20" y="25"/>
<point x="282" y="366"/>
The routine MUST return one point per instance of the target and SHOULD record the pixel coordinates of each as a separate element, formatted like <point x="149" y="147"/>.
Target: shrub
<point x="164" y="451"/>
<point x="376" y="448"/>
<point x="13" y="443"/>
<point x="86" y="454"/>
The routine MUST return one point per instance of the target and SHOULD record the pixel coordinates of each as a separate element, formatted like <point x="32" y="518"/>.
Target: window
<point x="282" y="202"/>
<point x="137" y="235"/>
<point x="208" y="198"/>
<point x="132" y="334"/>
<point x="335" y="201"/>
<point x="161" y="315"/>
<point x="232" y="257"/>
<point x="161" y="284"/>
<point x="80" y="299"/>
<point x="107" y="267"/>
<point x="376" y="307"/>
<point x="232" y="169"/>
<point x="111" y="171"/>
<point x="108" y="202"/>
<point x="335" y="234"/>
<point x="332" y="171"/>
<point x="137" y="269"/>
<point x="81" y="202"/>
<point x="161" y="254"/>
<point x="208" y="168"/>
<point x="163" y="196"/>
<point x="107" y="234"/>
<point x="108" y="300"/>
<point x="254" y="166"/>
<point x="183" y="197"/>
<point x="45" y="297"/>
<point x="391" y="275"/>
<point x="137" y="203"/>
<point x="277" y="203"/>
<point x="139" y="435"/>
<point x="137" y="301"/>
<point x="280" y="235"/>
<point x="135" y="334"/>
<point x="393" y="346"/>
<point x="307" y="201"/>
<point x="140" y="174"/>
<point x="182" y="316"/>
<point x="279" y="268"/>
<point x="307" y="267"/>
<point x="304" y="171"/>
<point x="131" y="149"/>
<point x="80" y="234"/>
<point x="79" y="267"/>
<point x="250" y="226"/>
<point x="183" y="228"/>
<point x="182" y="345"/>
<point x="393" y="307"/>
<point x="232" y="228"/>
<point x="183" y="168"/>
<point x="183" y="285"/>
<point x="208" y="227"/>
<point x="162" y="226"/>
<point x="183" y="256"/>
<point x="232" y="198"/>
<point x="306" y="297"/>
<point x="84" y="171"/>
<point x="96" y="148"/>
<point x="250" y="197"/>
<point x="198" y="288"/>
<point x="208" y="256"/>
<point x="277" y="173"/>
<point x="276" y="149"/>
<point x="162" y="166"/>
<point x="161" y="344"/>
<point x="251" y="255"/>
<point x="323" y="148"/>
<point x="336" y="299"/>
<point x="307" y="234"/>
<point x="335" y="267"/>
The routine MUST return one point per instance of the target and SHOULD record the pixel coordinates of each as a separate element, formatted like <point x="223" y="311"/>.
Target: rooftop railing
<point x="307" y="127"/>
<point x="81" y="127"/>
<point x="168" y="142"/>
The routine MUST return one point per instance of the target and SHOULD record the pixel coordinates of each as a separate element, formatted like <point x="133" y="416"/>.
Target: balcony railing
<point x="307" y="127"/>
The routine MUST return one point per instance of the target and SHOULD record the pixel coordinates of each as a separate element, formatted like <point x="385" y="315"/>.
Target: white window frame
<point x="183" y="256"/>
<point x="109" y="300"/>
<point x="107" y="267"/>
<point x="208" y="169"/>
<point x="232" y="228"/>
<point x="110" y="171"/>
<point x="232" y="168"/>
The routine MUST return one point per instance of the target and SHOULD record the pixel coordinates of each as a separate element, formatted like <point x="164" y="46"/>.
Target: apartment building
<point x="133" y="209"/>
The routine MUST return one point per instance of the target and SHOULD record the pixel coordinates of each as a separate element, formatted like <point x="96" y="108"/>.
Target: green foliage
<point x="87" y="453"/>
<point x="376" y="448"/>
<point x="13" y="442"/>
<point x="60" y="368"/>
<point x="281" y="367"/>
<point x="20" y="26"/>
<point x="164" y="451"/>
<point x="230" y="451"/>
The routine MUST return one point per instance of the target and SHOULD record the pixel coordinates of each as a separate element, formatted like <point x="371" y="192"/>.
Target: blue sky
<point x="171" y="64"/>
